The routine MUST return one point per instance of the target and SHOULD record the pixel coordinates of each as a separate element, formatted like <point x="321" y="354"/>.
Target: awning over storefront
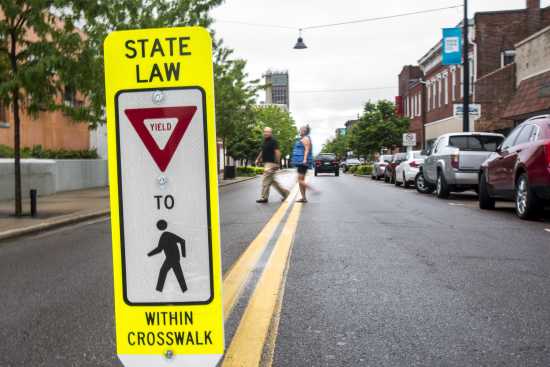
<point x="531" y="98"/>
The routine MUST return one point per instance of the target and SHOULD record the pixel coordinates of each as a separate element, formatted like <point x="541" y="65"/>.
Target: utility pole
<point x="466" y="73"/>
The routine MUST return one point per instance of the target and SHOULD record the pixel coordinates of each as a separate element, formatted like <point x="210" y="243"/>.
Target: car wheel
<point x="373" y="177"/>
<point x="337" y="173"/>
<point x="315" y="172"/>
<point x="441" y="188"/>
<point x="421" y="185"/>
<point x="485" y="199"/>
<point x="405" y="182"/>
<point x="386" y="178"/>
<point x="527" y="204"/>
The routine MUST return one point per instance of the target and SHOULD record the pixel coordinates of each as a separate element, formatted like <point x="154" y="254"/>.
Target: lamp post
<point x="466" y="73"/>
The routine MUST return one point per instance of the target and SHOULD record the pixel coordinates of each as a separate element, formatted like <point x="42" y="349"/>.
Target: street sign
<point x="452" y="46"/>
<point x="409" y="140"/>
<point x="164" y="197"/>
<point x="475" y="110"/>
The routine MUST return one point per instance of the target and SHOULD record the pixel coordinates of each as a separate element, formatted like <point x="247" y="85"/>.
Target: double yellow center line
<point x="248" y="343"/>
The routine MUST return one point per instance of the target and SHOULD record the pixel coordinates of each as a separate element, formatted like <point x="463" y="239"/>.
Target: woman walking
<point x="302" y="159"/>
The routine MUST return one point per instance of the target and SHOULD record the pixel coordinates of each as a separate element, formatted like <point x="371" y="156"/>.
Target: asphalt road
<point x="378" y="276"/>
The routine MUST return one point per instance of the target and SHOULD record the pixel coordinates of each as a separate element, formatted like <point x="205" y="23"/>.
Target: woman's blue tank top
<point x="298" y="153"/>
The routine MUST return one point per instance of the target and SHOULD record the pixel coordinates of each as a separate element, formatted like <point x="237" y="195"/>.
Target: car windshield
<point x="326" y="157"/>
<point x="481" y="143"/>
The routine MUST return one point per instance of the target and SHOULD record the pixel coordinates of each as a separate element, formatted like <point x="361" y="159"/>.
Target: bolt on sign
<point x="164" y="197"/>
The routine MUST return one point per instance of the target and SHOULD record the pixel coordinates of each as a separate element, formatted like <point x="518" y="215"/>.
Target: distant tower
<point x="277" y="92"/>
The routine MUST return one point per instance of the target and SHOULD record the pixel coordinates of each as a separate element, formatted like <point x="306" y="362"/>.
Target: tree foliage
<point x="282" y="123"/>
<point x="338" y="145"/>
<point x="378" y="127"/>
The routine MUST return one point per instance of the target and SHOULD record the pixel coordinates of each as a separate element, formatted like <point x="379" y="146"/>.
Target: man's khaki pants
<point x="270" y="169"/>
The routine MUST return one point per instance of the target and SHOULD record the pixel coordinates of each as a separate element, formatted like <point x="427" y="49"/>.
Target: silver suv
<point x="454" y="162"/>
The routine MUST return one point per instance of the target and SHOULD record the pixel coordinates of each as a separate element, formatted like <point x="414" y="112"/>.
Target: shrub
<point x="352" y="169"/>
<point x="38" y="152"/>
<point x="259" y="170"/>
<point x="364" y="169"/>
<point x="247" y="171"/>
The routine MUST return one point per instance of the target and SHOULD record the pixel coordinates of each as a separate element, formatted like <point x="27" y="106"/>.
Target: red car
<point x="520" y="169"/>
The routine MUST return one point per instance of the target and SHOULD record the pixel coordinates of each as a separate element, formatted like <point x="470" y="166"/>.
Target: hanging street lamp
<point x="300" y="45"/>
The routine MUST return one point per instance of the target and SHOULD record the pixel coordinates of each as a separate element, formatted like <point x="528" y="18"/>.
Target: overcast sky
<point x="365" y="55"/>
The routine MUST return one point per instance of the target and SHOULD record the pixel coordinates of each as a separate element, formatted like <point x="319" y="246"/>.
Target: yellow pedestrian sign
<point x="164" y="197"/>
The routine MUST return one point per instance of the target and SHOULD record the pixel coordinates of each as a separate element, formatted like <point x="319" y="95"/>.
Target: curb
<point x="238" y="181"/>
<point x="69" y="219"/>
<point x="72" y="219"/>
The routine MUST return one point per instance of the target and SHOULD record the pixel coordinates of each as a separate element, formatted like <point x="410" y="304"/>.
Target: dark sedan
<point x="520" y="169"/>
<point x="327" y="163"/>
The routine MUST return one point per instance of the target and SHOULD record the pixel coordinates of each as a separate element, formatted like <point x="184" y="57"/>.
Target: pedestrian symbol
<point x="169" y="244"/>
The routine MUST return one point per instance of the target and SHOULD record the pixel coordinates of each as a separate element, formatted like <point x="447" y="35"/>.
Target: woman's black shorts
<point x="302" y="169"/>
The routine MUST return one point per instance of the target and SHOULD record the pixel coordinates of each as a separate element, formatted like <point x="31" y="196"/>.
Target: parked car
<point x="349" y="163"/>
<point x="327" y="163"/>
<point x="406" y="171"/>
<point x="520" y="169"/>
<point x="454" y="162"/>
<point x="389" y="173"/>
<point x="379" y="166"/>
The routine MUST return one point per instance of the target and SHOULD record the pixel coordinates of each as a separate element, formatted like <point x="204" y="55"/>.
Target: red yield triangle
<point x="137" y="117"/>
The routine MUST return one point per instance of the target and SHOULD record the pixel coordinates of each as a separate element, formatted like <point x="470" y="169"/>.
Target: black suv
<point x="327" y="163"/>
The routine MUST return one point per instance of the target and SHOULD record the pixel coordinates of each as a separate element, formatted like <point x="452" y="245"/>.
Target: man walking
<point x="270" y="155"/>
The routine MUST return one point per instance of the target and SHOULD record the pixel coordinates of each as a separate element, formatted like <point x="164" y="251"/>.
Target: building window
<point x="446" y="89"/>
<point x="439" y="91"/>
<point x="410" y="107"/>
<point x="507" y="57"/>
<point x="429" y="88"/>
<point x="420" y="104"/>
<point x="453" y="85"/>
<point x="69" y="96"/>
<point x="434" y="93"/>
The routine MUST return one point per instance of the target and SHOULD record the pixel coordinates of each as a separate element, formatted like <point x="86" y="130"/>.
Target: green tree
<point x="41" y="57"/>
<point x="282" y="123"/>
<point x="378" y="127"/>
<point x="102" y="17"/>
<point x="235" y="100"/>
<point x="338" y="145"/>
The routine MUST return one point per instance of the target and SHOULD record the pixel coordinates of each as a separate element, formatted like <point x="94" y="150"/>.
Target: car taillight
<point x="414" y="164"/>
<point x="334" y="163"/>
<point x="455" y="161"/>
<point x="547" y="148"/>
<point x="317" y="163"/>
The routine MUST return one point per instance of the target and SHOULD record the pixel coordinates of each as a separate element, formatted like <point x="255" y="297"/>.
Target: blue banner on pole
<point x="452" y="46"/>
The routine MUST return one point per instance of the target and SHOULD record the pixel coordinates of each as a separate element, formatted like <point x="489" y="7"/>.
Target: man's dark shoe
<point x="261" y="201"/>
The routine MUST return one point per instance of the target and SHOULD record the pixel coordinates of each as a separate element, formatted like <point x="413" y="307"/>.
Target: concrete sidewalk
<point x="62" y="209"/>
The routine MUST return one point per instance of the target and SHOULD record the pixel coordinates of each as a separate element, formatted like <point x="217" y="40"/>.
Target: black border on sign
<point x="208" y="206"/>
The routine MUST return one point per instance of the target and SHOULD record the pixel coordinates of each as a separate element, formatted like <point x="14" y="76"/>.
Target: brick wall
<point x="494" y="91"/>
<point x="499" y="31"/>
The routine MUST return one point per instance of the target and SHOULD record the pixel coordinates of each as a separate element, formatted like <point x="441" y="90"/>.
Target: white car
<point x="406" y="171"/>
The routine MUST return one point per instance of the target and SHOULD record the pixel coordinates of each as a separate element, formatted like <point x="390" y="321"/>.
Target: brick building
<point x="532" y="96"/>
<point x="51" y="129"/>
<point x="493" y="38"/>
